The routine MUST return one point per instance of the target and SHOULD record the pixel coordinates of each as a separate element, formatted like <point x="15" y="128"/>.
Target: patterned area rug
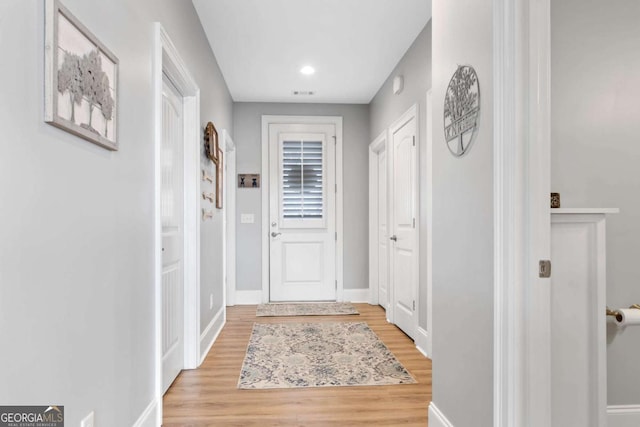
<point x="285" y="355"/>
<point x="306" y="309"/>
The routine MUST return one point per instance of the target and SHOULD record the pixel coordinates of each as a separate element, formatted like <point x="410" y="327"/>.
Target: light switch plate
<point x="247" y="218"/>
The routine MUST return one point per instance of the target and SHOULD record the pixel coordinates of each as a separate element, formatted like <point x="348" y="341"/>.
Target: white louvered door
<point x="302" y="212"/>
<point x="172" y="201"/>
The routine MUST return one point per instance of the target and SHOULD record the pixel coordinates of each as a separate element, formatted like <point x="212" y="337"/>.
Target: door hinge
<point x="545" y="268"/>
<point x="414" y="223"/>
<point x="414" y="305"/>
<point x="414" y="140"/>
<point x="336" y="234"/>
<point x="335" y="140"/>
<point x="336" y="284"/>
<point x="336" y="188"/>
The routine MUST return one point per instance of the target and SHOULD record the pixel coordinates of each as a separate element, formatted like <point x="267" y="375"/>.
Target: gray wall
<point x="463" y="224"/>
<point x="76" y="259"/>
<point x="248" y="139"/>
<point x="595" y="77"/>
<point x="385" y="108"/>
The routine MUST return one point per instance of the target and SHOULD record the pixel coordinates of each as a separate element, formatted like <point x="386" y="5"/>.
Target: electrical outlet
<point x="88" y="421"/>
<point x="210" y="301"/>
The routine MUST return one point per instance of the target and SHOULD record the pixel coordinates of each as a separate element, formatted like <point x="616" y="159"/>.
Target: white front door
<point x="302" y="217"/>
<point x="383" y="232"/>
<point x="172" y="201"/>
<point x="403" y="265"/>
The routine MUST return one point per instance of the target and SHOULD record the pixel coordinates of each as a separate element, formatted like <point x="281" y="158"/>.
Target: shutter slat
<point x="302" y="179"/>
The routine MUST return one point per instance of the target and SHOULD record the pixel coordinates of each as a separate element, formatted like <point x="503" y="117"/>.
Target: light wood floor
<point x="209" y="395"/>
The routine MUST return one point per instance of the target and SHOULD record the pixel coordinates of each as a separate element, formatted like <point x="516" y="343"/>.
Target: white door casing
<point x="378" y="222"/>
<point x="172" y="196"/>
<point x="383" y="231"/>
<point x="167" y="61"/>
<point x="302" y="212"/>
<point x="521" y="165"/>
<point x="267" y="121"/>
<point x="403" y="198"/>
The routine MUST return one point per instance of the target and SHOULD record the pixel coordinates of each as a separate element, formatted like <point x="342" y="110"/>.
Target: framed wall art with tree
<point x="81" y="79"/>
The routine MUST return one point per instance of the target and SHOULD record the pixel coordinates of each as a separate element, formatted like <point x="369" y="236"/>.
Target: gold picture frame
<point x="214" y="153"/>
<point x="219" y="179"/>
<point x="211" y="143"/>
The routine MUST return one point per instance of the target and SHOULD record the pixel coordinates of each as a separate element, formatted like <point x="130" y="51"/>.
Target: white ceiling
<point x="354" y="45"/>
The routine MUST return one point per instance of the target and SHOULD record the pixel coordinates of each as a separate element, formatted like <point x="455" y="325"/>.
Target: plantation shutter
<point x="302" y="180"/>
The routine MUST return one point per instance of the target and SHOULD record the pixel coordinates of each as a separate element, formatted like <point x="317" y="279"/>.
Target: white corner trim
<point x="248" y="297"/>
<point x="356" y="295"/>
<point x="422" y="340"/>
<point x="150" y="417"/>
<point x="429" y="216"/>
<point x="229" y="212"/>
<point x="211" y="332"/>
<point x="437" y="418"/>
<point x="623" y="415"/>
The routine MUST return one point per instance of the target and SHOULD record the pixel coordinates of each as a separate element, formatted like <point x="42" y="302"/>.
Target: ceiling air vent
<point x="303" y="92"/>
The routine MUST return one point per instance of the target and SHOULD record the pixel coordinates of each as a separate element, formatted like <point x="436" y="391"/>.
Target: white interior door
<point x="302" y="217"/>
<point x="403" y="239"/>
<point x="383" y="232"/>
<point x="172" y="205"/>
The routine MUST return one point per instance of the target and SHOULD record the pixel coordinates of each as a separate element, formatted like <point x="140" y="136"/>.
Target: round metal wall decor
<point x="461" y="109"/>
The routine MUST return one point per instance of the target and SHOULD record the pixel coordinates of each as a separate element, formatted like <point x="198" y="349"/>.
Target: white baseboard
<point x="437" y="418"/>
<point x="211" y="332"/>
<point x="248" y="297"/>
<point x="422" y="338"/>
<point x="255" y="297"/>
<point x="356" y="295"/>
<point x="623" y="415"/>
<point x="617" y="416"/>
<point x="150" y="417"/>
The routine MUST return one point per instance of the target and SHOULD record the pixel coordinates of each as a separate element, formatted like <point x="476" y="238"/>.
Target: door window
<point x="303" y="184"/>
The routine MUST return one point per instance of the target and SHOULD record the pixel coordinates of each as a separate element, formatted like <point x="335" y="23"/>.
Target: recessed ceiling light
<point x="307" y="70"/>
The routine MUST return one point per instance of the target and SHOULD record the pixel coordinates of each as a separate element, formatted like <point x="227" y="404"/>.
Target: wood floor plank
<point x="209" y="396"/>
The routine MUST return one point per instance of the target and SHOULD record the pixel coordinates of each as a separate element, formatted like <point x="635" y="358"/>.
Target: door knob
<point x="274" y="234"/>
<point x="394" y="238"/>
